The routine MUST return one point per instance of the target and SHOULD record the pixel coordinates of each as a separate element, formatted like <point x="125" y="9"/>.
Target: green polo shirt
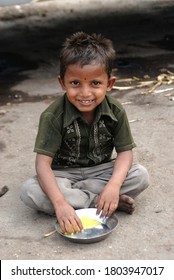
<point x="66" y="137"/>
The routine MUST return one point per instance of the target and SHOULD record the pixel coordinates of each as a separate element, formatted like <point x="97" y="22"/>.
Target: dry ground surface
<point x="31" y="36"/>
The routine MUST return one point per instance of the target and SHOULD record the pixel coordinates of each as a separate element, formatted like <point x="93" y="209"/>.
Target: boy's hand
<point x="68" y="219"/>
<point x="108" y="201"/>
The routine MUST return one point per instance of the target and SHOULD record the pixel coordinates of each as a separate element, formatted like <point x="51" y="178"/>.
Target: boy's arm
<point x="65" y="213"/>
<point x="109" y="197"/>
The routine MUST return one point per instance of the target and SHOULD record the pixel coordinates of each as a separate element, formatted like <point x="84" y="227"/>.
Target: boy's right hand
<point x="68" y="219"/>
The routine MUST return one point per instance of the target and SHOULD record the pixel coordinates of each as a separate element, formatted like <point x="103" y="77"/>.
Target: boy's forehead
<point x="92" y="67"/>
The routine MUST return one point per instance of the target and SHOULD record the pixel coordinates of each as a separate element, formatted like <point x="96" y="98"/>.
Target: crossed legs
<point x="82" y="186"/>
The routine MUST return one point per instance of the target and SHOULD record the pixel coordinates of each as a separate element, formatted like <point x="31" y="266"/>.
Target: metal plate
<point x="94" y="234"/>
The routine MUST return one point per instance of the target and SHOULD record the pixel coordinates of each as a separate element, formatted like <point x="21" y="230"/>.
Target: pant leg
<point x="78" y="197"/>
<point x="80" y="192"/>
<point x="34" y="197"/>
<point x="137" y="180"/>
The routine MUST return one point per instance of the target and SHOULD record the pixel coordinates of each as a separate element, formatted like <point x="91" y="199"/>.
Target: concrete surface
<point x="142" y="33"/>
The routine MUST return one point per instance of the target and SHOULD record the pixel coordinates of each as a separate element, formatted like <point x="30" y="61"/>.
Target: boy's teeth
<point x="86" y="101"/>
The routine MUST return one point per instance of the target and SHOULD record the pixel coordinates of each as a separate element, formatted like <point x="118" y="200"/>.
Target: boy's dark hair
<point x="83" y="49"/>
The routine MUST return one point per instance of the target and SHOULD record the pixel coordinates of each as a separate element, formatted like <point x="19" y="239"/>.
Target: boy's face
<point x="86" y="87"/>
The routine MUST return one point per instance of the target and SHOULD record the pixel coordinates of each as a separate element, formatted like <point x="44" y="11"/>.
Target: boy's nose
<point x="85" y="91"/>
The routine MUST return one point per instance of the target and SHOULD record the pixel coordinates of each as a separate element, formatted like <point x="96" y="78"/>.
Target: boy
<point x="76" y="137"/>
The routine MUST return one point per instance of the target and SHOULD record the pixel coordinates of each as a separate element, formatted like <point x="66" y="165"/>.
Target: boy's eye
<point x="96" y="83"/>
<point x="75" y="83"/>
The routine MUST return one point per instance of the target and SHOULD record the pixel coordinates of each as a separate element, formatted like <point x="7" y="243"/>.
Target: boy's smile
<point x="86" y="87"/>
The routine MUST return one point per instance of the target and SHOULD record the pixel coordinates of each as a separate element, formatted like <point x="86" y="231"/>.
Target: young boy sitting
<point x="77" y="136"/>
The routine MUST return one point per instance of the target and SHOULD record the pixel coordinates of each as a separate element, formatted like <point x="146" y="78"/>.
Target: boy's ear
<point x="111" y="82"/>
<point x="61" y="82"/>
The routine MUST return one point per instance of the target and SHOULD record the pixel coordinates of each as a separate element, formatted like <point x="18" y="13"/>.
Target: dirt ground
<point x="143" y="35"/>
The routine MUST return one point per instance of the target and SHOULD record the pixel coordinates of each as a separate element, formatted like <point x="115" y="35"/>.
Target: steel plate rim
<point x="92" y="239"/>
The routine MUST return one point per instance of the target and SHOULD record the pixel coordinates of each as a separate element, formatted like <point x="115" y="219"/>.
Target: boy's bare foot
<point x="126" y="204"/>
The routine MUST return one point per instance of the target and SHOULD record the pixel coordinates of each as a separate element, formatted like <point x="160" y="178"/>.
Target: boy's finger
<point x="79" y="222"/>
<point x="99" y="208"/>
<point x="100" y="205"/>
<point x="105" y="210"/>
<point x="112" y="208"/>
<point x="62" y="226"/>
<point x="76" y="224"/>
<point x="69" y="227"/>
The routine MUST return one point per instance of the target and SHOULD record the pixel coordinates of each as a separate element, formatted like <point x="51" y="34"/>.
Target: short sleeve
<point x="123" y="140"/>
<point x="49" y="136"/>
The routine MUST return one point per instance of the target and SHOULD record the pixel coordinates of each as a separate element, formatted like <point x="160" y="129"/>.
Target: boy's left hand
<point x="107" y="201"/>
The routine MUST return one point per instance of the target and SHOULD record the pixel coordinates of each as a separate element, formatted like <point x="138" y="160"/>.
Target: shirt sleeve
<point x="49" y="136"/>
<point x="123" y="140"/>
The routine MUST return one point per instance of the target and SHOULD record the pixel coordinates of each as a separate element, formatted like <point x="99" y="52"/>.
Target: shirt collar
<point x="104" y="110"/>
<point x="71" y="113"/>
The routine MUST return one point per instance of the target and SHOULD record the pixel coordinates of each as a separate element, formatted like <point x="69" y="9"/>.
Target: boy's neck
<point x="88" y="116"/>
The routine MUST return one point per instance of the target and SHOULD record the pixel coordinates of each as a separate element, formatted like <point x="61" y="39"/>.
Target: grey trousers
<point x="81" y="186"/>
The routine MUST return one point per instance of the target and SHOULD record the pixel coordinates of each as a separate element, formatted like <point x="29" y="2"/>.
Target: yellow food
<point x="89" y="223"/>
